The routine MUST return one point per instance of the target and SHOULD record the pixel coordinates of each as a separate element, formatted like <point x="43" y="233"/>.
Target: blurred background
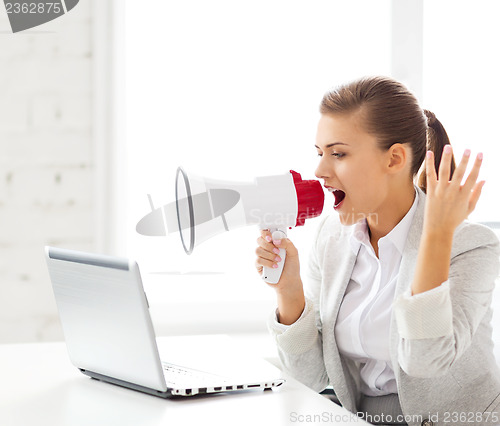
<point x="99" y="107"/>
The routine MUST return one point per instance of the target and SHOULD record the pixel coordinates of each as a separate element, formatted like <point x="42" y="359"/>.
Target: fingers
<point x="474" y="173"/>
<point x="445" y="164"/>
<point x="448" y="201"/>
<point x="476" y="193"/>
<point x="267" y="253"/>
<point x="269" y="258"/>
<point x="471" y="189"/>
<point x="268" y="243"/>
<point x="459" y="173"/>
<point x="430" y="171"/>
<point x="460" y="170"/>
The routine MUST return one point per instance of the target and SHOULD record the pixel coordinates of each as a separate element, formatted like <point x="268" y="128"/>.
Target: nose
<point x="323" y="171"/>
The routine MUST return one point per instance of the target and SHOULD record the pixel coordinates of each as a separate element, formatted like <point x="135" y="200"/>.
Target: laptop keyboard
<point x="180" y="376"/>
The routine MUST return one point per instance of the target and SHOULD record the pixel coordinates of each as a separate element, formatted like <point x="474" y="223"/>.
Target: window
<point x="230" y="90"/>
<point x="461" y="69"/>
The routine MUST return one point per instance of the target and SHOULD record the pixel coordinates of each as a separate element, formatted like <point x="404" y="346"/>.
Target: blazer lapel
<point x="408" y="260"/>
<point x="406" y="273"/>
<point x="341" y="270"/>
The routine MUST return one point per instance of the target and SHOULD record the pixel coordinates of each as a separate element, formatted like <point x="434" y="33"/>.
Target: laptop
<point x="109" y="334"/>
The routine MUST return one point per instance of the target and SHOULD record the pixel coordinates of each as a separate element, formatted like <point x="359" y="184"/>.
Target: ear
<point x="398" y="157"/>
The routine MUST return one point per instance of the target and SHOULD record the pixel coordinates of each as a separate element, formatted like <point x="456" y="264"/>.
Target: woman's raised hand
<point x="449" y="202"/>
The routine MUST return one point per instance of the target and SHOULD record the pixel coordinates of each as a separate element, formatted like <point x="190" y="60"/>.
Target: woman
<point x="394" y="312"/>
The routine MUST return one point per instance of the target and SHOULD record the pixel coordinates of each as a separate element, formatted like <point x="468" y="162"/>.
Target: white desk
<point x="39" y="386"/>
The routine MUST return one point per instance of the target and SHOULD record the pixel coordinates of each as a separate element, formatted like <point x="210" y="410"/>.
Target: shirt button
<point x="427" y="422"/>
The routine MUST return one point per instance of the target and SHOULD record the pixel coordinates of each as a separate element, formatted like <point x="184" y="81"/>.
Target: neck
<point x="390" y="214"/>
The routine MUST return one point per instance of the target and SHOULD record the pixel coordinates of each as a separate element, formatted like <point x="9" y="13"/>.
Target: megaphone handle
<point x="273" y="275"/>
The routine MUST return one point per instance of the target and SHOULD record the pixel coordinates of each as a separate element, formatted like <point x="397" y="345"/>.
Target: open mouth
<point x="339" y="196"/>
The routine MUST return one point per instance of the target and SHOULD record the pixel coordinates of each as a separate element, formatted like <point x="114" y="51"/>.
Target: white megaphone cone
<point x="207" y="207"/>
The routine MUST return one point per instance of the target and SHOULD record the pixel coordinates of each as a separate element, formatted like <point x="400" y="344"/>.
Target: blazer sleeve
<point x="438" y="326"/>
<point x="300" y="345"/>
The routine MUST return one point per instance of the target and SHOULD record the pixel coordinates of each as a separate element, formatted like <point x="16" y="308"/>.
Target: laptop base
<point x="125" y="384"/>
<point x="172" y="393"/>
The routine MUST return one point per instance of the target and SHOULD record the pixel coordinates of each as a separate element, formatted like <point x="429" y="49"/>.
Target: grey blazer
<point x="444" y="364"/>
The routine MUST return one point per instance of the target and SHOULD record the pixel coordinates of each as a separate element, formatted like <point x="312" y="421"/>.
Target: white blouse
<point x="362" y="329"/>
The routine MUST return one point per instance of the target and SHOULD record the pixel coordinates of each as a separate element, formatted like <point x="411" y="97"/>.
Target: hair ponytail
<point x="437" y="138"/>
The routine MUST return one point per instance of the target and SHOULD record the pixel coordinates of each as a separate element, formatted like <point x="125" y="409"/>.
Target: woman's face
<point x="352" y="166"/>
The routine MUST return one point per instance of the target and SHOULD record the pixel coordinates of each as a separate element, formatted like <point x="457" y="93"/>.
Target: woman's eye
<point x="335" y="154"/>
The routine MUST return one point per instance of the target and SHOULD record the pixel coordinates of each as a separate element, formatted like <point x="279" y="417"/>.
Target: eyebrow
<point x="331" y="144"/>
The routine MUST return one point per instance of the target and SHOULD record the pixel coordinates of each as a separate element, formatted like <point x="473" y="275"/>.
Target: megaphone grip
<point x="273" y="275"/>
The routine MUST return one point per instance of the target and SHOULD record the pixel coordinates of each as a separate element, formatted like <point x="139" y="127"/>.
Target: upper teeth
<point x="331" y="189"/>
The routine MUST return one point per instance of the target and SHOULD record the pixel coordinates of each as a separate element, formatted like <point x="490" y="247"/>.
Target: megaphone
<point x="207" y="207"/>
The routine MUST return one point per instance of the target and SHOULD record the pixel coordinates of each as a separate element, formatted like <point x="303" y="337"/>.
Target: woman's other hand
<point x="289" y="288"/>
<point x="449" y="202"/>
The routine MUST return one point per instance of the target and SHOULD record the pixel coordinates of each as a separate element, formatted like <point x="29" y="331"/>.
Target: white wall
<point x="46" y="164"/>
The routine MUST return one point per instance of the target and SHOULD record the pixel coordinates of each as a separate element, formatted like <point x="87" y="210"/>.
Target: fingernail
<point x="276" y="242"/>
<point x="480" y="156"/>
<point x="467" y="153"/>
<point x="268" y="238"/>
<point x="429" y="154"/>
<point x="277" y="259"/>
<point x="447" y="148"/>
<point x="277" y="251"/>
<point x="275" y="265"/>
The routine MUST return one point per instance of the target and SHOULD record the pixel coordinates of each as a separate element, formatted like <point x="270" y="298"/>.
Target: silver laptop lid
<point x="104" y="316"/>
